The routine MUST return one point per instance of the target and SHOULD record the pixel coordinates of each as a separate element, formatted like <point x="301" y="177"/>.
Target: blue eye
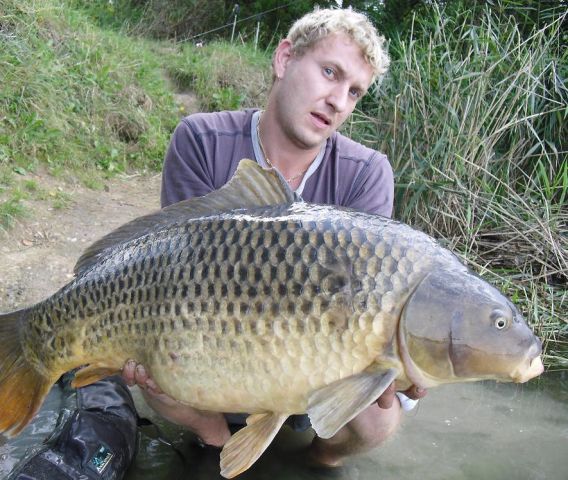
<point x="355" y="93"/>
<point x="328" y="72"/>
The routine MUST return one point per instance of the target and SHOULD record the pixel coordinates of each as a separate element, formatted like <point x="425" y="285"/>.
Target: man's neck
<point x="280" y="152"/>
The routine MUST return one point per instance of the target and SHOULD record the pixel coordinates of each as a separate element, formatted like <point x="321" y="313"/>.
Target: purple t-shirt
<point x="206" y="148"/>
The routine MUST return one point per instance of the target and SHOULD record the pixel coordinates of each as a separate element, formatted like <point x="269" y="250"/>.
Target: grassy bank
<point x="77" y="101"/>
<point x="84" y="102"/>
<point x="238" y="77"/>
<point x="472" y="117"/>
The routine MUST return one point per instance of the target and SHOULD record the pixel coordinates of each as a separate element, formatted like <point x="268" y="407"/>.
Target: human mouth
<point x="321" y="120"/>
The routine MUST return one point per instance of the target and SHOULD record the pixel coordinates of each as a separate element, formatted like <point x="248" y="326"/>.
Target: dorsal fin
<point x="251" y="186"/>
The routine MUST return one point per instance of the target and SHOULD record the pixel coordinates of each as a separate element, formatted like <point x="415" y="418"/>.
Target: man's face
<point x="316" y="92"/>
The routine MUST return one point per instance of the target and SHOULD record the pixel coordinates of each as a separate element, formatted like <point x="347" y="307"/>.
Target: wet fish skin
<point x="271" y="309"/>
<point x="230" y="300"/>
<point x="246" y="305"/>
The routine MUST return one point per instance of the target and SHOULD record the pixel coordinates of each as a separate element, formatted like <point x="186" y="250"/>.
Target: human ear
<point x="282" y="56"/>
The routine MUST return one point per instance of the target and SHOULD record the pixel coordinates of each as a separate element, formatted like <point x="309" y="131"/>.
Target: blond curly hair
<point x="321" y="23"/>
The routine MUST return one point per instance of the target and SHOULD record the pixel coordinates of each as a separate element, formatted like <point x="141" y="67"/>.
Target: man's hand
<point x="135" y="374"/>
<point x="387" y="398"/>
<point x="210" y="427"/>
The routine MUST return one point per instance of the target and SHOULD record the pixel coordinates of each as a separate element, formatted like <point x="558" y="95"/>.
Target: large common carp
<point x="248" y="300"/>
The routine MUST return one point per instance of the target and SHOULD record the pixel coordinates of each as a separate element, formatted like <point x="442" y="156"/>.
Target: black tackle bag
<point x="95" y="439"/>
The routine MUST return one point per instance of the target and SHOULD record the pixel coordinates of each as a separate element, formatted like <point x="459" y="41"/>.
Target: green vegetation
<point x="189" y="19"/>
<point x="472" y="116"/>
<point x="238" y="78"/>
<point x="76" y="100"/>
<point x="87" y="102"/>
<point x="9" y="210"/>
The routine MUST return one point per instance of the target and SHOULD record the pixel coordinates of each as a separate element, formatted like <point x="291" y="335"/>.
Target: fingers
<point x="128" y="372"/>
<point x="135" y="374"/>
<point x="146" y="382"/>
<point x="415" y="393"/>
<point x="387" y="398"/>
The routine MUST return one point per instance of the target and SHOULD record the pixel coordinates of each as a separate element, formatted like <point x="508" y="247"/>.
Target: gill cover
<point x="456" y="327"/>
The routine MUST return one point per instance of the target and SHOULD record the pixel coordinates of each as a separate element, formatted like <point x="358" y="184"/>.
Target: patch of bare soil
<point x="187" y="102"/>
<point x="38" y="255"/>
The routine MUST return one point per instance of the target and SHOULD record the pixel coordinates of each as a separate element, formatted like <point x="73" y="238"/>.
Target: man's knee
<point x="374" y="425"/>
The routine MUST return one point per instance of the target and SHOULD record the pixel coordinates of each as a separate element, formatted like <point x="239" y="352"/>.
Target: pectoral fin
<point x="245" y="446"/>
<point x="332" y="406"/>
<point x="91" y="374"/>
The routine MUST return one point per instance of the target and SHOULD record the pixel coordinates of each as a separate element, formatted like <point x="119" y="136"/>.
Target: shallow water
<point x="468" y="431"/>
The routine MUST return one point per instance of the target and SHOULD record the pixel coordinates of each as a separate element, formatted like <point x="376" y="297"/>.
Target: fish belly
<point x="252" y="372"/>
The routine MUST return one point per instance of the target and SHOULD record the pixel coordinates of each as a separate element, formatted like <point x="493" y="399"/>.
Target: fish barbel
<point x="249" y="300"/>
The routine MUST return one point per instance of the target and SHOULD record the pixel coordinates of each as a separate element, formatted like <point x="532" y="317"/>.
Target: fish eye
<point x="500" y="319"/>
<point x="500" y="323"/>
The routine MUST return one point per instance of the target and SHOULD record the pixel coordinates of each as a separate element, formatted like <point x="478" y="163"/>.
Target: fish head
<point x="456" y="327"/>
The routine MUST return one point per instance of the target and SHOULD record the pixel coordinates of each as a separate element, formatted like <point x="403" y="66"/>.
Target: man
<point x="320" y="70"/>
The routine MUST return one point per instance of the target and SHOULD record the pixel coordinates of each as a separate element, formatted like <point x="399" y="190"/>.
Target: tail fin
<point x="22" y="387"/>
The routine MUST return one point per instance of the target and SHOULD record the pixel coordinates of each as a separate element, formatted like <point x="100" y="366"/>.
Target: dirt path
<point x="38" y="255"/>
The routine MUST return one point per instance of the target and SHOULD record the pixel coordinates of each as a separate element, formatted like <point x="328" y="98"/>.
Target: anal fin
<point x="332" y="406"/>
<point x="92" y="373"/>
<point x="22" y="391"/>
<point x="248" y="444"/>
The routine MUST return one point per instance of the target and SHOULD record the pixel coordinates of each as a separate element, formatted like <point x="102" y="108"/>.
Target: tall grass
<point x="473" y="118"/>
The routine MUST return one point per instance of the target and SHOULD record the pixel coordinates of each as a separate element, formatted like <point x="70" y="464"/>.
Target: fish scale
<point x="201" y="299"/>
<point x="287" y="278"/>
<point x="248" y="301"/>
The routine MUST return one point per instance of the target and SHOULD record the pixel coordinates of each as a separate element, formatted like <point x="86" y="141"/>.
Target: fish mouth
<point x="533" y="365"/>
<point x="535" y="368"/>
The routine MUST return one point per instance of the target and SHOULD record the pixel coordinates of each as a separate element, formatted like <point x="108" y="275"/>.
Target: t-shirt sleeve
<point x="373" y="189"/>
<point x="186" y="172"/>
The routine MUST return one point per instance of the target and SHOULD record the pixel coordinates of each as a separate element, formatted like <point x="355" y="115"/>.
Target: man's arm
<point x="373" y="188"/>
<point x="186" y="172"/>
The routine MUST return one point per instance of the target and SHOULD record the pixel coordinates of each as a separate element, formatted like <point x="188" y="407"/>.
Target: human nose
<point x="338" y="97"/>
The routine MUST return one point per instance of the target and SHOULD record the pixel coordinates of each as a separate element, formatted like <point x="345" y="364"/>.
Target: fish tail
<point x="22" y="387"/>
